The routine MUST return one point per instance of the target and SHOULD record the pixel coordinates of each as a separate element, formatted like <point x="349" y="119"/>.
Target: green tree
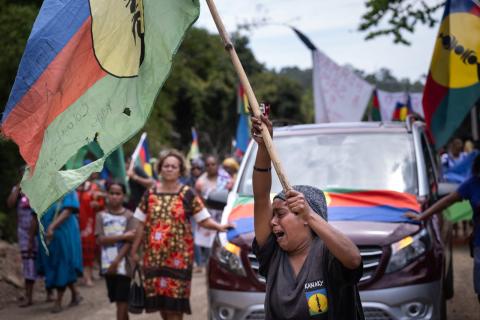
<point x="16" y="20"/>
<point x="397" y="17"/>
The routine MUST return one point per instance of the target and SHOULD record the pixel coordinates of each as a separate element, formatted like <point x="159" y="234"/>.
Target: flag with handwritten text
<point x="90" y="74"/>
<point x="339" y="94"/>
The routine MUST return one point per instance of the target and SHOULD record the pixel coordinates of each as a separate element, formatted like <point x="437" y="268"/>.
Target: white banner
<point x="339" y="94"/>
<point x="389" y="100"/>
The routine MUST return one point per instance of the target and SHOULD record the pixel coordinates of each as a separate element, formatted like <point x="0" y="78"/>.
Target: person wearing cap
<point x="311" y="269"/>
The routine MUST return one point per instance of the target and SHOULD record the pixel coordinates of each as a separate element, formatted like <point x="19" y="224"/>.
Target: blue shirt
<point x="470" y="190"/>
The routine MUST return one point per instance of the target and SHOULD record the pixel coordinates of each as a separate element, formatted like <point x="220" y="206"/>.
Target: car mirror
<point x="217" y="199"/>
<point x="445" y="188"/>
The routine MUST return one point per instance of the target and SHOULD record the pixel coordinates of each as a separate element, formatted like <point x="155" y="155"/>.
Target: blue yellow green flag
<point x="453" y="83"/>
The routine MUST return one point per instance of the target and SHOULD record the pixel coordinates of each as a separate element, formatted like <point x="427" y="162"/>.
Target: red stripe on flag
<point x="373" y="199"/>
<point x="433" y="94"/>
<point x="475" y="10"/>
<point x="142" y="156"/>
<point x="73" y="71"/>
<point x="375" y="102"/>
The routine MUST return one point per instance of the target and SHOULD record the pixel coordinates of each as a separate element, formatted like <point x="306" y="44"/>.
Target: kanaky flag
<point x="194" y="151"/>
<point x="242" y="137"/>
<point x="402" y="110"/>
<point x="375" y="114"/>
<point x="343" y="205"/>
<point x="141" y="155"/>
<point x="90" y="73"/>
<point x="453" y="84"/>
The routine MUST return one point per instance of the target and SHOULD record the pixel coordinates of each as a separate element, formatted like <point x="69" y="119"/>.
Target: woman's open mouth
<point x="279" y="235"/>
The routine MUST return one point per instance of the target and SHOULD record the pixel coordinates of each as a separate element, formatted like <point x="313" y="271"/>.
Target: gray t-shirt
<point x="110" y="224"/>
<point x="289" y="297"/>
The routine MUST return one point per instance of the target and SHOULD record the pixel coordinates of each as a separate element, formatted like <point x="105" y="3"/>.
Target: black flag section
<point x="304" y="39"/>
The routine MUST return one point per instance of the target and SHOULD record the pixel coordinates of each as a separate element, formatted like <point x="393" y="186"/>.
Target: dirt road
<point x="95" y="305"/>
<point x="463" y="306"/>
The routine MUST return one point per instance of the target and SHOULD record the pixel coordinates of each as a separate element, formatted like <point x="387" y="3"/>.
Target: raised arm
<point x="262" y="183"/>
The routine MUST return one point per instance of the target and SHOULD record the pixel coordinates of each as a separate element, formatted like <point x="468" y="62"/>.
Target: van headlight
<point x="408" y="249"/>
<point x="228" y="257"/>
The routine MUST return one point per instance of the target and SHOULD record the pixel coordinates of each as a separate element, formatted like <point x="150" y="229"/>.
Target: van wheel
<point x="448" y="290"/>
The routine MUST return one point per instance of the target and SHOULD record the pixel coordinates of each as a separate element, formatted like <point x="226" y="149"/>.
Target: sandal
<point x="76" y="301"/>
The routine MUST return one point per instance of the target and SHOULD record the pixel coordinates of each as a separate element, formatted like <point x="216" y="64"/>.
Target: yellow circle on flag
<point x="455" y="61"/>
<point x="117" y="33"/>
<point x="317" y="303"/>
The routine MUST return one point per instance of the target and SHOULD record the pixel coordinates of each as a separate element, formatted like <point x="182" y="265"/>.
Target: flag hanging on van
<point x="343" y="205"/>
<point x="453" y="83"/>
<point x="90" y="74"/>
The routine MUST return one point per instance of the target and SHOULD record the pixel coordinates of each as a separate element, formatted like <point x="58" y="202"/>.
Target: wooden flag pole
<point x="250" y="94"/>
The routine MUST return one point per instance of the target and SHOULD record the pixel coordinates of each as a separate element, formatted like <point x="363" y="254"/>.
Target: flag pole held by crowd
<point x="250" y="94"/>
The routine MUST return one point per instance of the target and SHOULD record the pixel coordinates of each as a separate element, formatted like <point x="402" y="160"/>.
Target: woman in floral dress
<point x="166" y="234"/>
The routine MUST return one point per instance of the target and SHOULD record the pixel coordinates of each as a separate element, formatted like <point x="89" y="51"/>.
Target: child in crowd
<point x="115" y="230"/>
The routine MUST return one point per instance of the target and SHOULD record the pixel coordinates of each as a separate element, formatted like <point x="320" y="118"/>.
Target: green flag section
<point x="375" y="113"/>
<point x="115" y="162"/>
<point x="459" y="211"/>
<point x="453" y="83"/>
<point x="97" y="86"/>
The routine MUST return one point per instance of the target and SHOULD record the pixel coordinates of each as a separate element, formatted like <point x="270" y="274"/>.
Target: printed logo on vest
<point x="317" y="298"/>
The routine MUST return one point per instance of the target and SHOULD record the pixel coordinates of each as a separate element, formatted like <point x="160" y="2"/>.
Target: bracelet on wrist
<point x="262" y="169"/>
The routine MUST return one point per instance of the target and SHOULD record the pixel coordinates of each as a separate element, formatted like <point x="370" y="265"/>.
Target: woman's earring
<point x="305" y="224"/>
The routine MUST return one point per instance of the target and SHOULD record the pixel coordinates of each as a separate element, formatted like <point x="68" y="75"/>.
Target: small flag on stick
<point x="141" y="156"/>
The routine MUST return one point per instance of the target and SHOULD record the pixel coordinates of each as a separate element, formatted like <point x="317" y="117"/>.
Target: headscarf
<point x="231" y="163"/>
<point x="197" y="162"/>
<point x="315" y="198"/>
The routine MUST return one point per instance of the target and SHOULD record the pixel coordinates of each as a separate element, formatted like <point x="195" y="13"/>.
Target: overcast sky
<point x="331" y="25"/>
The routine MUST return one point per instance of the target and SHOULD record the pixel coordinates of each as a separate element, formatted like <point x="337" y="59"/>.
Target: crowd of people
<point x="160" y="225"/>
<point x="115" y="226"/>
<point x="456" y="162"/>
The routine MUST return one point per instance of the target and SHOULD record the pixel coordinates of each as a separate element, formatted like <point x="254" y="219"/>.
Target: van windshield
<point x="361" y="161"/>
